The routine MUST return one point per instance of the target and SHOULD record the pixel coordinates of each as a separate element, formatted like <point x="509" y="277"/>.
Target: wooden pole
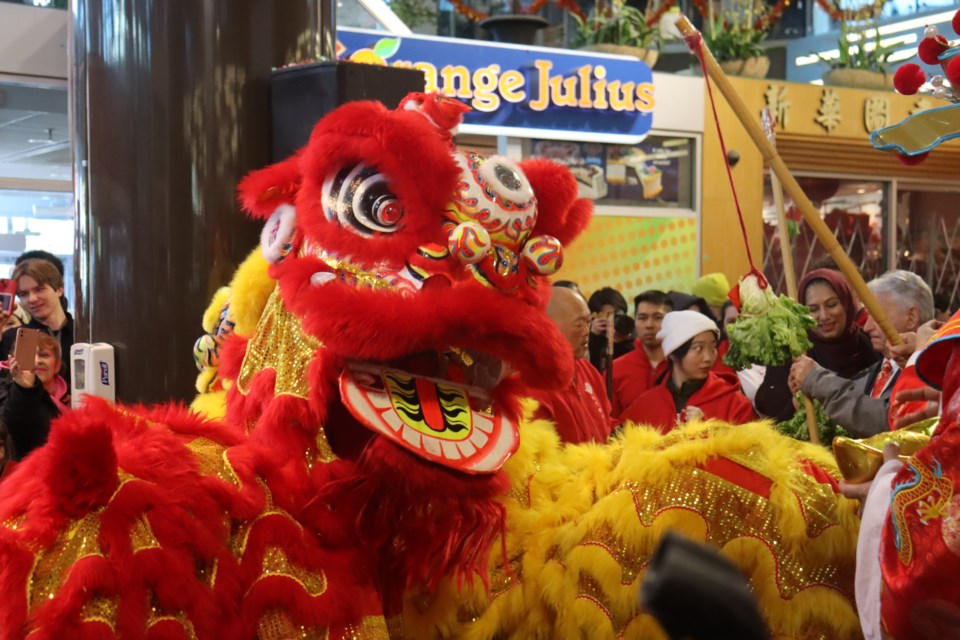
<point x="789" y="274"/>
<point x="790" y="185"/>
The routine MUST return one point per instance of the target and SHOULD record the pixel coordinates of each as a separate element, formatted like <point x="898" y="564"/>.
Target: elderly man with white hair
<point x="861" y="405"/>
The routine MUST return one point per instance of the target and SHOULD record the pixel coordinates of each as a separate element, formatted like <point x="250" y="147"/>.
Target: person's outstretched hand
<point x="22" y="377"/>
<point x="931" y="395"/>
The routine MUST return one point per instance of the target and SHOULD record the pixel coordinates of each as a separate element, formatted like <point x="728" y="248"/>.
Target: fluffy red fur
<point x="262" y="191"/>
<point x="469" y="316"/>
<point x="560" y="213"/>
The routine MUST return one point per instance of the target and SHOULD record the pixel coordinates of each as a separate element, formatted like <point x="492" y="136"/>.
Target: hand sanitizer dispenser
<point x="92" y="372"/>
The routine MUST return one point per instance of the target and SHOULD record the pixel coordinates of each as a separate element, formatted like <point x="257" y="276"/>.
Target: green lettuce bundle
<point x="771" y="329"/>
<point x="796" y="427"/>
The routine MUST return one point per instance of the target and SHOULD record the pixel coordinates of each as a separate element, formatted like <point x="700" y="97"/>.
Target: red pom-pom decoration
<point x="956" y="22"/>
<point x="952" y="71"/>
<point x="908" y="79"/>
<point x="931" y="48"/>
<point x="911" y="161"/>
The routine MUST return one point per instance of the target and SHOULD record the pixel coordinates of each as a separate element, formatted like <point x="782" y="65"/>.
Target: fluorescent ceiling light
<point x="916" y="23"/>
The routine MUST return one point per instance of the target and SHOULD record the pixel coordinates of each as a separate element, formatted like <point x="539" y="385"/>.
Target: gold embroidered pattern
<point x="735" y="512"/>
<point x="279" y="343"/>
<point x="212" y="460"/>
<point x="101" y="610"/>
<point x="276" y="563"/>
<point x="80" y="540"/>
<point x="927" y="492"/>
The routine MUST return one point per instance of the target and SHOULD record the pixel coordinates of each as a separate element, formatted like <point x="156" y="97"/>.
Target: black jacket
<point x="65" y="336"/>
<point x="27" y="414"/>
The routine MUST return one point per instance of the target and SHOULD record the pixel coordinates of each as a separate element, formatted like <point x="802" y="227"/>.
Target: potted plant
<point x="862" y="61"/>
<point x="419" y="15"/>
<point x="735" y="32"/>
<point x="519" y="24"/>
<point x="616" y="27"/>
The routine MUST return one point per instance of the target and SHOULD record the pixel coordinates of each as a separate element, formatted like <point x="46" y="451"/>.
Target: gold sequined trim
<point x="80" y="540"/>
<point x="14" y="523"/>
<point x="156" y="617"/>
<point x="276" y="625"/>
<point x="502" y="580"/>
<point x="238" y="542"/>
<point x="631" y="561"/>
<point x="369" y="628"/>
<point x="101" y="610"/>
<point x="735" y="512"/>
<point x="212" y="460"/>
<point x="141" y="535"/>
<point x="276" y="563"/>
<point x="279" y="343"/>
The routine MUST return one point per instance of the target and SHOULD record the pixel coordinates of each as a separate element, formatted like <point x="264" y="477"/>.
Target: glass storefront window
<point x="36" y="192"/>
<point x="928" y="240"/>
<point x="854" y="210"/>
<point x="656" y="173"/>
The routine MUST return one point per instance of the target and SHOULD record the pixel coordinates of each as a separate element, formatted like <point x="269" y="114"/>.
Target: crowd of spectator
<point x="663" y="364"/>
<point x="34" y="392"/>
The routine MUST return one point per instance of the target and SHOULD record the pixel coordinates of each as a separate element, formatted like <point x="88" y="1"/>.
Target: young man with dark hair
<point x="637" y="371"/>
<point x="40" y="287"/>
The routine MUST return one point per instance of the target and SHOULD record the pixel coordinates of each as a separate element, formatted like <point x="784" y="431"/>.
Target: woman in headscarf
<point x="838" y="342"/>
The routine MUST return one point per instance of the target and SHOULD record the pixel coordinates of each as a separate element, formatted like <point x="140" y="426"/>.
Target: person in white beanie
<point x="690" y="390"/>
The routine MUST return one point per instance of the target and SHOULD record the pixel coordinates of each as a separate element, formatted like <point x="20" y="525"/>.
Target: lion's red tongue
<point x="451" y="424"/>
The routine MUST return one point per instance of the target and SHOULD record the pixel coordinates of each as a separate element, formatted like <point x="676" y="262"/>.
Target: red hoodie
<point x="633" y="375"/>
<point x="581" y="411"/>
<point x="718" y="398"/>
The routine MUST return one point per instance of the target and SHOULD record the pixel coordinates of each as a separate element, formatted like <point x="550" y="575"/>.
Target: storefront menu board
<point x="657" y="172"/>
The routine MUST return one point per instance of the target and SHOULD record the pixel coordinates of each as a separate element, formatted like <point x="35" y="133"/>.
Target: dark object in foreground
<point x="695" y="593"/>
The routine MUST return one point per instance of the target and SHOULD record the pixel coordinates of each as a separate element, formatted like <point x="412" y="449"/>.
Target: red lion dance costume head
<point x="368" y="466"/>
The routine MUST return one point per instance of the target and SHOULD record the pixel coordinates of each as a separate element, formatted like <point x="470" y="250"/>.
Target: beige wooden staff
<point x="789" y="274"/>
<point x="779" y="169"/>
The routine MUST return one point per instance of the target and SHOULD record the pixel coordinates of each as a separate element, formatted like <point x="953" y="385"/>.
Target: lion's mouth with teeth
<point x="437" y="403"/>
<point x="454" y="424"/>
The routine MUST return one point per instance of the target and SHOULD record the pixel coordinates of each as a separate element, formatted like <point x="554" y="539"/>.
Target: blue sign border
<point x="585" y="84"/>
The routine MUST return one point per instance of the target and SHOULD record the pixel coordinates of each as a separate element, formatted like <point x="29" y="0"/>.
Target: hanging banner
<point x="521" y="91"/>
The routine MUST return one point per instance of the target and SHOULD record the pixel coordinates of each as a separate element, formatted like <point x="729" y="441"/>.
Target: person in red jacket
<point x="692" y="390"/>
<point x="637" y="371"/>
<point x="582" y="411"/>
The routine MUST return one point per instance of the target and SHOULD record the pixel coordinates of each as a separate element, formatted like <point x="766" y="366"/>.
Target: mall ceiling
<point x="34" y="133"/>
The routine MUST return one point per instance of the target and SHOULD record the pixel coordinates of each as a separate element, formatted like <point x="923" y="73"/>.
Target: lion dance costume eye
<point x="359" y="198"/>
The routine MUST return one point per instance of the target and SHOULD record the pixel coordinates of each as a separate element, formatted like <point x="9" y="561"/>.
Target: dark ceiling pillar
<point x="170" y="108"/>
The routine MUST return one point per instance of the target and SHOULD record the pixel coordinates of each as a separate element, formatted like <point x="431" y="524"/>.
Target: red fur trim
<point x="80" y="464"/>
<point x="467" y="315"/>
<point x="400" y="497"/>
<point x="262" y="191"/>
<point x="559" y="213"/>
